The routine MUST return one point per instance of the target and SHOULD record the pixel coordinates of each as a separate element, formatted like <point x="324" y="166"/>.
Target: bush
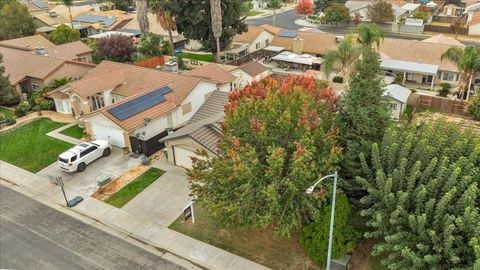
<point x="445" y="89"/>
<point x="474" y="108"/>
<point x="314" y="237"/>
<point x="10" y="100"/>
<point x="11" y="121"/>
<point x="47" y="104"/>
<point x="338" y="79"/>
<point x="22" y="109"/>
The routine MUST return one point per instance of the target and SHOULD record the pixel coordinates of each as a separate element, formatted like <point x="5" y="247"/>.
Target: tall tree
<point x="363" y="115"/>
<point x="456" y="25"/>
<point x="216" y="13"/>
<point x="277" y="140"/>
<point x="15" y="21"/>
<point x="150" y="45"/>
<point x="69" y="4"/>
<point x="380" y="11"/>
<point x="196" y="23"/>
<point x="467" y="61"/>
<point x="142" y="16"/>
<point x="369" y="35"/>
<point x="345" y="54"/>
<point x="336" y="13"/>
<point x="305" y="7"/>
<point x="422" y="196"/>
<point x="7" y="96"/>
<point x="64" y="34"/>
<point x="163" y="15"/>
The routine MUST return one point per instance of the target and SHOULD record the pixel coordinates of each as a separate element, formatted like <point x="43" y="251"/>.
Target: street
<point x="35" y="236"/>
<point x="287" y="20"/>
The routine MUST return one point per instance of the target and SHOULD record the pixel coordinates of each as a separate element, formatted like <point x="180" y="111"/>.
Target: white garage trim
<point x="113" y="135"/>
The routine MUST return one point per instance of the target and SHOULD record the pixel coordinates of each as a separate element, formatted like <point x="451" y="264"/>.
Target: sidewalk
<point x="57" y="135"/>
<point x="269" y="12"/>
<point x="140" y="228"/>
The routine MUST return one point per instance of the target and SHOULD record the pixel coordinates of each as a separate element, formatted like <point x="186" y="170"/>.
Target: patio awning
<point x="410" y="67"/>
<point x="109" y="33"/>
<point x="304" y="59"/>
<point x="274" y="48"/>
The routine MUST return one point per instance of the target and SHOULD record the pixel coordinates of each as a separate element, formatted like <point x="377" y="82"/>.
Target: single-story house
<point x="215" y="73"/>
<point x="360" y="7"/>
<point x="446" y="40"/>
<point x="397" y="99"/>
<point x="474" y="24"/>
<point x="202" y="133"/>
<point x="248" y="73"/>
<point x="305" y="42"/>
<point x="452" y="10"/>
<point x="29" y="71"/>
<point x="103" y="21"/>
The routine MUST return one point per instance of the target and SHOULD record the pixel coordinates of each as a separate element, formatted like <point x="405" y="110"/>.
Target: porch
<point x="416" y="75"/>
<point x="233" y="52"/>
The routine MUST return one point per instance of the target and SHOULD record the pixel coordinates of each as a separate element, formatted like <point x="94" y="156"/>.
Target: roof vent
<point x="40" y="51"/>
<point x="52" y="14"/>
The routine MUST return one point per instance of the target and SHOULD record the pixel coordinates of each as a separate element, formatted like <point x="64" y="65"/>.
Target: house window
<point x="393" y="106"/>
<point x="231" y="86"/>
<point x="257" y="46"/>
<point x="410" y="77"/>
<point x="448" y="76"/>
<point x="194" y="62"/>
<point x="35" y="86"/>
<point x="267" y="42"/>
<point x="59" y="105"/>
<point x="96" y="102"/>
<point x="187" y="108"/>
<point x="84" y="59"/>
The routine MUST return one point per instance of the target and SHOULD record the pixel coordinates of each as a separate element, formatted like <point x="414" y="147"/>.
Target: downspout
<point x="173" y="154"/>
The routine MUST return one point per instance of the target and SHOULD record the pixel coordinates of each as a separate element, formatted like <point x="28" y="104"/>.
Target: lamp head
<point x="309" y="190"/>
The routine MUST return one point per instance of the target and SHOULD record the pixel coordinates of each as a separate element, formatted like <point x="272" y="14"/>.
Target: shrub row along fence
<point x="440" y="104"/>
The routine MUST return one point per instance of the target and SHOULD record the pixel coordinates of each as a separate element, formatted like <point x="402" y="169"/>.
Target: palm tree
<point x="467" y="61"/>
<point x="216" y="12"/>
<point x="164" y="18"/>
<point x="368" y="35"/>
<point x="142" y="16"/>
<point x="69" y="3"/>
<point x="346" y="54"/>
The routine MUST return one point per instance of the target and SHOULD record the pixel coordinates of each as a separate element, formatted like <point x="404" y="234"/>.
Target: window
<point x="231" y="86"/>
<point x="88" y="151"/>
<point x="96" y="102"/>
<point x="448" y="76"/>
<point x="409" y="76"/>
<point x="59" y="105"/>
<point x="187" y="108"/>
<point x="84" y="59"/>
<point x="35" y="86"/>
<point x="267" y="42"/>
<point x="73" y="158"/>
<point x="393" y="106"/>
<point x="194" y="62"/>
<point x="257" y="46"/>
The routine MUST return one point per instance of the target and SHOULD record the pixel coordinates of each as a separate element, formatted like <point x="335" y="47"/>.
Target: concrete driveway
<point x="163" y="201"/>
<point x="85" y="183"/>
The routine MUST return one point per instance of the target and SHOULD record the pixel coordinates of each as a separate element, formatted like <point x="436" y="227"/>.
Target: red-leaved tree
<point x="117" y="48"/>
<point x="305" y="7"/>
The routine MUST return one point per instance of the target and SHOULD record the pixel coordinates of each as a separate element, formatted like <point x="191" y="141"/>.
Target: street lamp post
<point x="332" y="214"/>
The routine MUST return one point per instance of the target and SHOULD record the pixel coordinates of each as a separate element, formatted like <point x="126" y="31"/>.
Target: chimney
<point x="297" y="45"/>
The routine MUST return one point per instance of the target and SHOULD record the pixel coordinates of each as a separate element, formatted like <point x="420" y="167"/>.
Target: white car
<point x="77" y="158"/>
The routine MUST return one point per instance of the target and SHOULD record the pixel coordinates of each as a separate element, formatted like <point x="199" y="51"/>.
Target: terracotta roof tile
<point x="213" y="72"/>
<point x="272" y="29"/>
<point x="71" y="50"/>
<point x="248" y="37"/>
<point x="475" y="18"/>
<point x="253" y="68"/>
<point x="441" y="39"/>
<point x="313" y="43"/>
<point x="27" y="43"/>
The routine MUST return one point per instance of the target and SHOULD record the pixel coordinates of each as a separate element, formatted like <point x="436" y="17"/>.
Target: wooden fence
<point x="440" y="104"/>
<point x="444" y="29"/>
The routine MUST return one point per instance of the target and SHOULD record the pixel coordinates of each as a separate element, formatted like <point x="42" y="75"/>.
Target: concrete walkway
<point x="138" y="227"/>
<point x="54" y="116"/>
<point x="57" y="135"/>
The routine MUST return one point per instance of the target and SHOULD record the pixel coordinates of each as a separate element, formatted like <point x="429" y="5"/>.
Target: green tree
<point x="474" y="108"/>
<point x="422" y="196"/>
<point x="64" y="34"/>
<point x="369" y="35"/>
<point x="150" y="45"/>
<point x="247" y="6"/>
<point x="346" y="54"/>
<point x="467" y="61"/>
<point x="162" y="10"/>
<point x="337" y="13"/>
<point x="15" y="21"/>
<point x="363" y="115"/>
<point x="196" y="23"/>
<point x="380" y="11"/>
<point x="7" y="96"/>
<point x="314" y="237"/>
<point x="277" y="140"/>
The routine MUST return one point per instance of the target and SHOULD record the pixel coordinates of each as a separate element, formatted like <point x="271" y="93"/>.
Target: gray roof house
<point x="398" y="97"/>
<point x="201" y="133"/>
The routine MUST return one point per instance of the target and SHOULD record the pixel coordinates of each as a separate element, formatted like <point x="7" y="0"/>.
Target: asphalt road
<point x="35" y="236"/>
<point x="287" y="20"/>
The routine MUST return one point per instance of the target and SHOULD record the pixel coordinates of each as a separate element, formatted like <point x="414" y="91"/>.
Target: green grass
<point x="29" y="148"/>
<point x="128" y="192"/>
<point x="260" y="245"/>
<point x="199" y="57"/>
<point x="254" y="13"/>
<point x="73" y="131"/>
<point x="6" y="112"/>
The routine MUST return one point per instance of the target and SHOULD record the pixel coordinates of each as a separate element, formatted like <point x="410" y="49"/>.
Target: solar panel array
<point x="287" y="33"/>
<point x="92" y="18"/>
<point x="139" y="104"/>
<point x="40" y="4"/>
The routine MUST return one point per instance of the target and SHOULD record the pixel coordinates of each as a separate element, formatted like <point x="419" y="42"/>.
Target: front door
<point x="427" y="78"/>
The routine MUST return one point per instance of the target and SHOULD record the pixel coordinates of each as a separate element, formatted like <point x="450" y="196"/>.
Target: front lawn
<point x="200" y="57"/>
<point x="260" y="245"/>
<point x="73" y="131"/>
<point x="128" y="192"/>
<point x="28" y="147"/>
<point x="6" y="113"/>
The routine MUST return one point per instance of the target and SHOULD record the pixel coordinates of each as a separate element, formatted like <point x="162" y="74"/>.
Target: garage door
<point x="113" y="135"/>
<point x="182" y="157"/>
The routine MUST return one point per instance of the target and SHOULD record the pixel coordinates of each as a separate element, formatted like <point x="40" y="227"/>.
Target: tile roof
<point x="214" y="104"/>
<point x="27" y="43"/>
<point x="213" y="72"/>
<point x="418" y="52"/>
<point x="19" y="64"/>
<point x="397" y="92"/>
<point x="250" y="35"/>
<point x="272" y="29"/>
<point x="314" y="43"/>
<point x="253" y="68"/>
<point x="441" y="39"/>
<point x="475" y="19"/>
<point x="51" y="21"/>
<point x="71" y="50"/>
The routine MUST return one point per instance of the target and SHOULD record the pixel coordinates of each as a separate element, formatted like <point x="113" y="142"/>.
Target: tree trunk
<point x="71" y="19"/>
<point x="216" y="13"/>
<point x="170" y="37"/>
<point x="142" y="16"/>
<point x="217" y="56"/>
<point x="469" y="87"/>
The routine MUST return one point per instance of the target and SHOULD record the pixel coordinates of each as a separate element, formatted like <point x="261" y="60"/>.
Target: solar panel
<point x="286" y="33"/>
<point x="139" y="104"/>
<point x="40" y="4"/>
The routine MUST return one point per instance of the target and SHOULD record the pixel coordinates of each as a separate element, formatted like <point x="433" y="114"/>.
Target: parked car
<point x="77" y="157"/>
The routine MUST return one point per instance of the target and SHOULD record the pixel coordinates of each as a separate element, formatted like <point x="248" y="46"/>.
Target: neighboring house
<point x="223" y="79"/>
<point x="103" y="21"/>
<point x="36" y="6"/>
<point x="397" y="99"/>
<point x="29" y="71"/>
<point x="452" y="10"/>
<point x="254" y="39"/>
<point x="305" y="42"/>
<point x="40" y="45"/>
<point x="418" y="63"/>
<point x="248" y="73"/>
<point x="474" y="24"/>
<point x="202" y="133"/>
<point x="133" y="107"/>
<point x="360" y="7"/>
<point x="441" y="39"/>
<point x="60" y="14"/>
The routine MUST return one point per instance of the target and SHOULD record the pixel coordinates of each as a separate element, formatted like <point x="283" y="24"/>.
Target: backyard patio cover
<point x="410" y="67"/>
<point x="304" y="59"/>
